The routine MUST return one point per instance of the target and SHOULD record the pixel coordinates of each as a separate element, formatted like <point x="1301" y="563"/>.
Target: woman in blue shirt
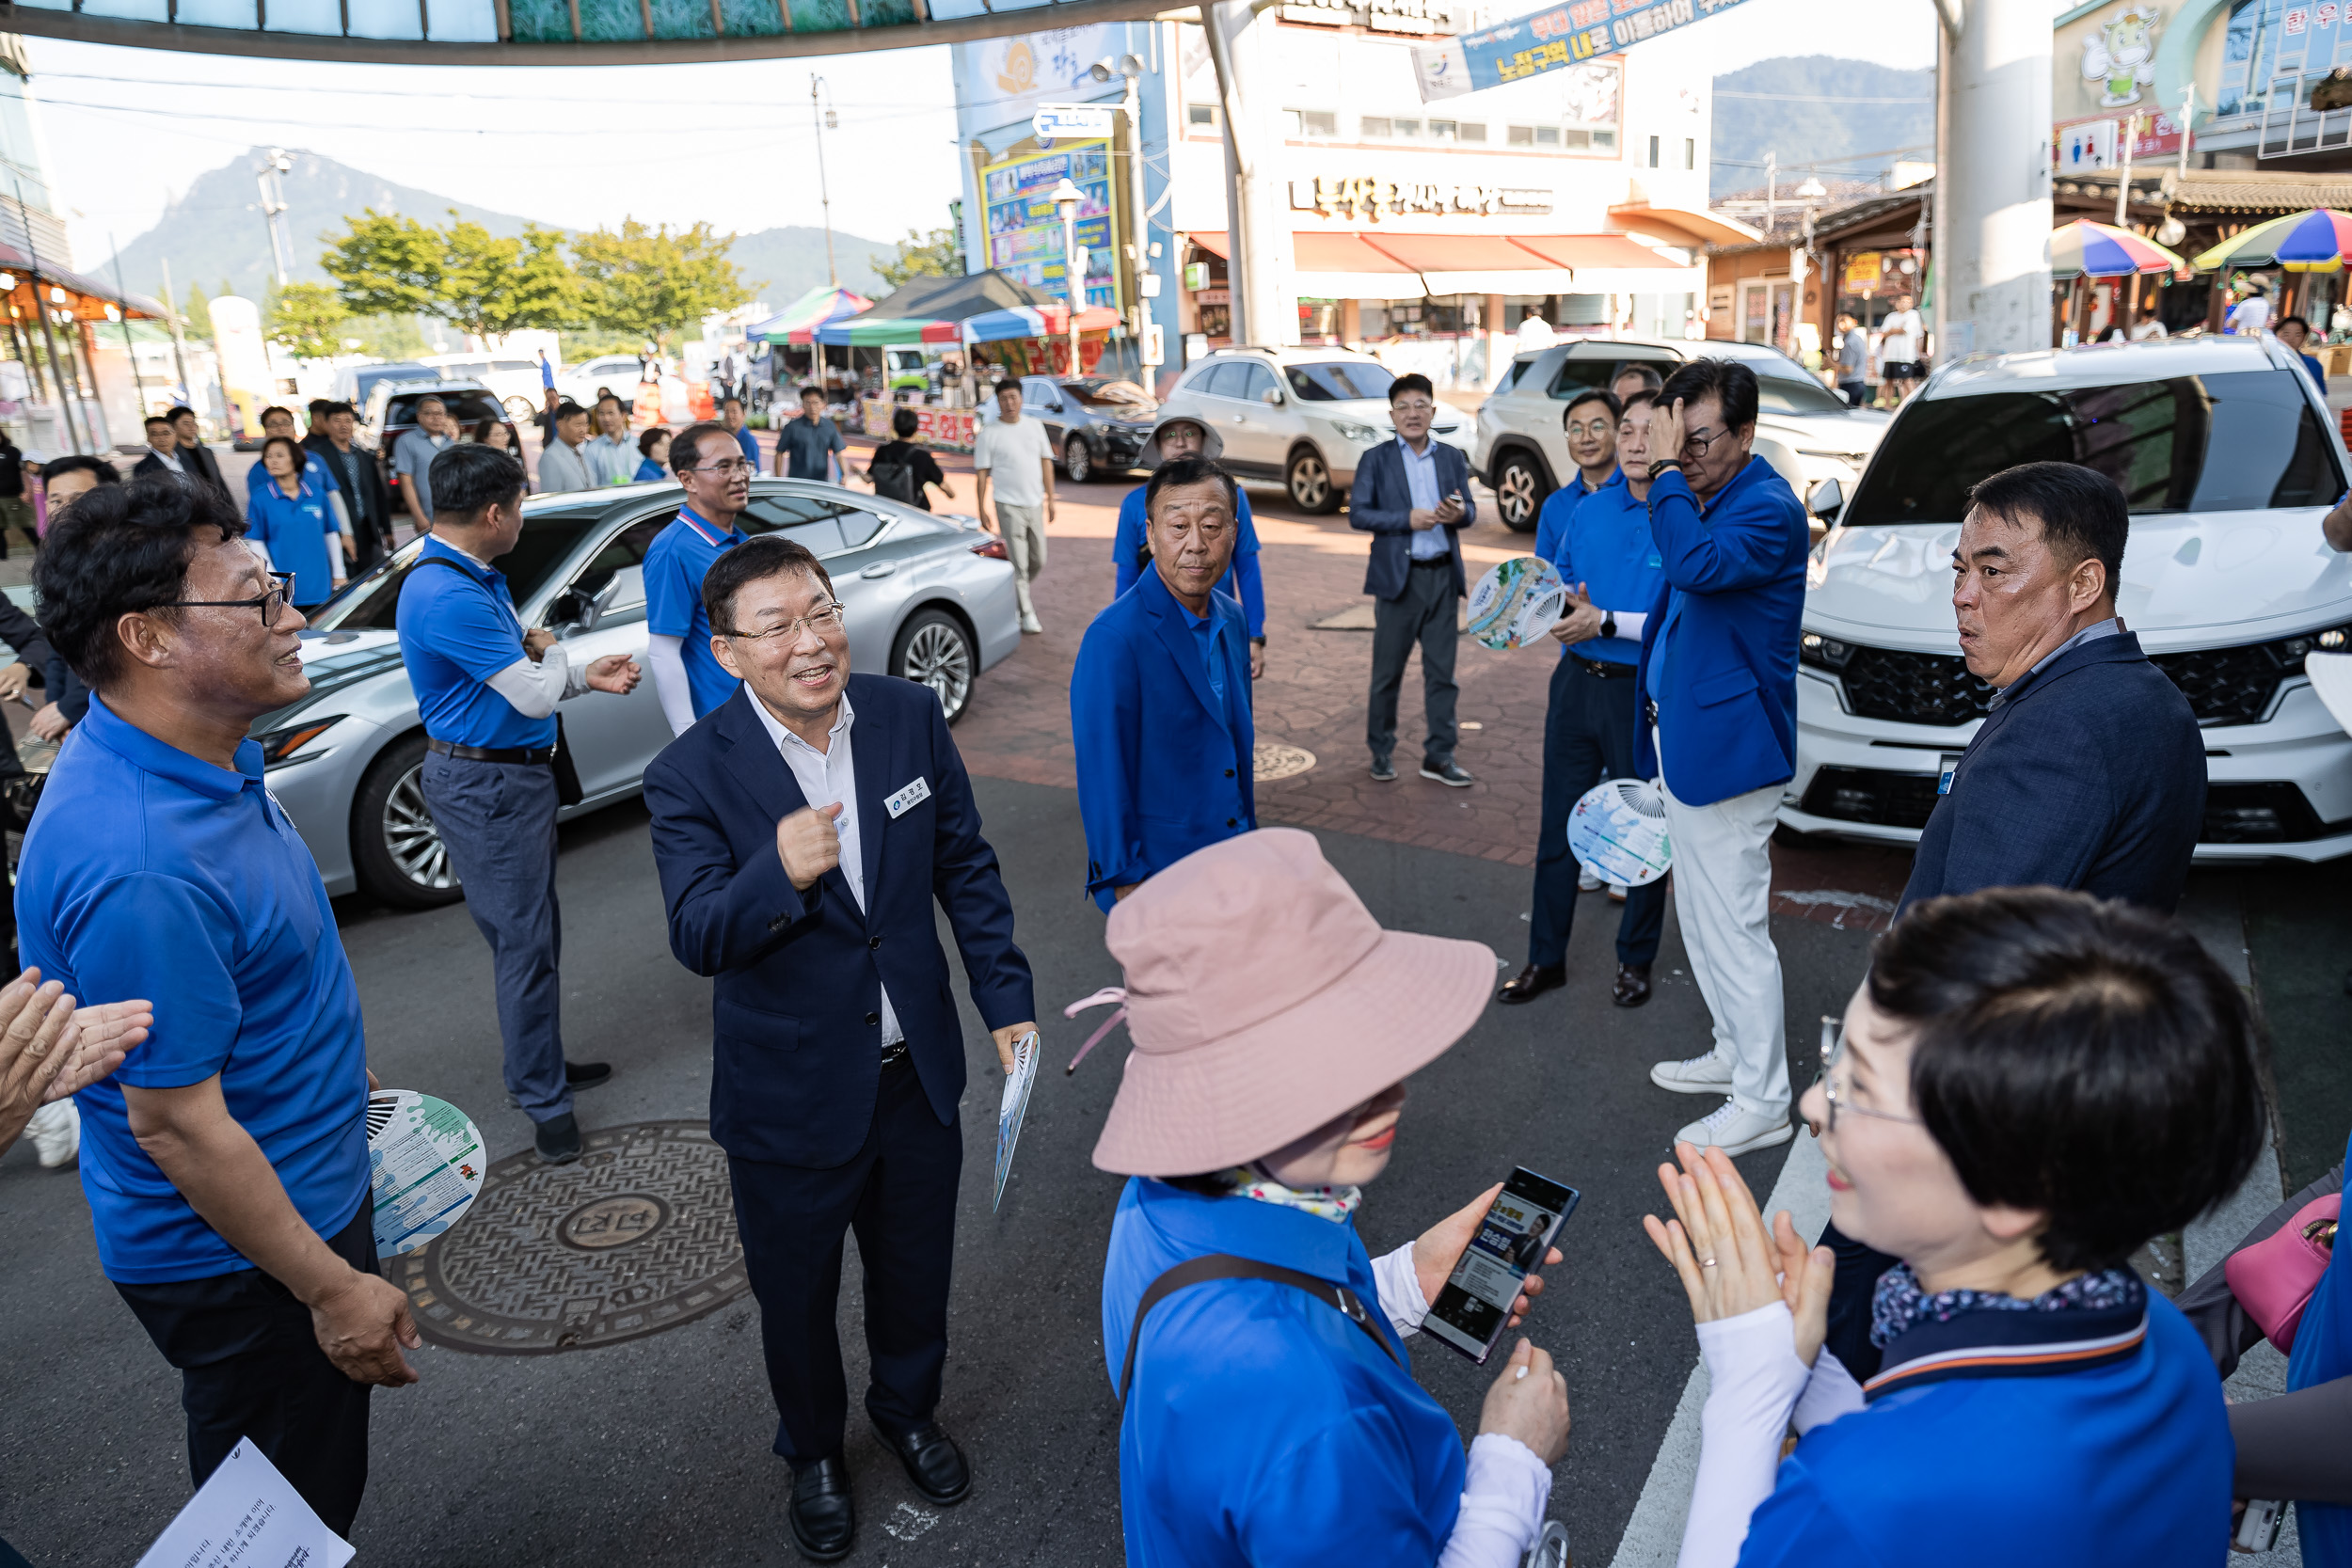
<point x="653" y="455"/>
<point x="287" y="514"/>
<point x="2029" y="1085"/>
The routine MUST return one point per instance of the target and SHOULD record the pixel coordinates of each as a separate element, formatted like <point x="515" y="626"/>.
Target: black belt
<point x="1604" y="669"/>
<point x="895" y="1054"/>
<point x="531" y="756"/>
<point x="1434" y="561"/>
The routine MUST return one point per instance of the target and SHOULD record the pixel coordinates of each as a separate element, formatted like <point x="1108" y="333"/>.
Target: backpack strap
<point x="1218" y="1265"/>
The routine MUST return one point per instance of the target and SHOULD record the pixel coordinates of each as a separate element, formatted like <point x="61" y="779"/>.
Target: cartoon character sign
<point x="2122" y="54"/>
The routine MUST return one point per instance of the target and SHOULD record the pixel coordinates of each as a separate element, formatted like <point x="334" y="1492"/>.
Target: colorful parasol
<point x="2315" y="240"/>
<point x="2086" y="249"/>
<point x="820" y="307"/>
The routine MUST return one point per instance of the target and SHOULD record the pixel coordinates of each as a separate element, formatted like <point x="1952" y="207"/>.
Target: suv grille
<point x="2224" y="686"/>
<point x="1914" y="689"/>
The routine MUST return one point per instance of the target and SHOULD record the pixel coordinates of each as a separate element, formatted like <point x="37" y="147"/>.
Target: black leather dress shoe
<point x="586" y="1075"/>
<point x="1533" y="981"/>
<point x="823" y="1518"/>
<point x="1633" y="986"/>
<point x="933" y="1463"/>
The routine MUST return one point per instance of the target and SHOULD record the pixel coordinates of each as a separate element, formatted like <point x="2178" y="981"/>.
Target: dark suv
<point x="1094" y="421"/>
<point x="391" y="414"/>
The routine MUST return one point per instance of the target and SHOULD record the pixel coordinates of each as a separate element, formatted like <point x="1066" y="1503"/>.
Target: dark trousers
<point x="498" y="819"/>
<point x="1588" y="737"/>
<point x="1424" y="614"/>
<point x="250" y="1366"/>
<point x="1850" y="1296"/>
<point x="899" y="1193"/>
<point x="1856" y="392"/>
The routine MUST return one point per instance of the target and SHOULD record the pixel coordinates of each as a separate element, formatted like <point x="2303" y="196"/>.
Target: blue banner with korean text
<point x="1562" y="35"/>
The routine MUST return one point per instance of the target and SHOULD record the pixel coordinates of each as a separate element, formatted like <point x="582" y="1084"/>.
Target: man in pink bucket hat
<point x="1270" y="1413"/>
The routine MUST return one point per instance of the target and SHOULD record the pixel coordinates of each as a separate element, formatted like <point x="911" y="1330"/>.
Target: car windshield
<point x="2236" y="442"/>
<point x="465" y="407"/>
<point x="1339" y="381"/>
<point x="548" y="538"/>
<point x="1776" y="394"/>
<point x="1109" y="394"/>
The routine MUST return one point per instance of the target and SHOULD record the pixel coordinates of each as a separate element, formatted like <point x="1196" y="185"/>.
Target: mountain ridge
<point x="1806" y="115"/>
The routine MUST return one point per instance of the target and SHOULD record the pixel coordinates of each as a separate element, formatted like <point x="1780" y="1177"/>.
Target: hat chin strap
<point x="1102" y="998"/>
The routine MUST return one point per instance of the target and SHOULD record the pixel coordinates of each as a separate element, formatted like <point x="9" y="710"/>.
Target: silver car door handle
<point x="880" y="569"/>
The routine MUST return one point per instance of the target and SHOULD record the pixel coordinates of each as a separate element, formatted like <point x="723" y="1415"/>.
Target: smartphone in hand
<point x="1474" y="1307"/>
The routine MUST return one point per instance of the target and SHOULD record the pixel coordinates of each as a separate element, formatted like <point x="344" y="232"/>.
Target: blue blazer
<point x="1381" y="504"/>
<point x="795" y="1009"/>
<point x="1161" y="770"/>
<point x="1726" y="617"/>
<point x="2089" y="774"/>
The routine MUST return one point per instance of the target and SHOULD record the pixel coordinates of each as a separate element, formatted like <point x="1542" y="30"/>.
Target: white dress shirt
<point x="1421" y="484"/>
<point x="825" y="777"/>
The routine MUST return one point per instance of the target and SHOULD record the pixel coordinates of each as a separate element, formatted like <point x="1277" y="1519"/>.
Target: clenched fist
<point x="809" y="843"/>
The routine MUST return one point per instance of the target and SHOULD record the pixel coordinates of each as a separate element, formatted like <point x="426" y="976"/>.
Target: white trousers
<point x="1722" y="873"/>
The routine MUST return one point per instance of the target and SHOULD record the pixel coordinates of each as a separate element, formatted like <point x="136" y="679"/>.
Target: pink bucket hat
<point x="1263" y="1001"/>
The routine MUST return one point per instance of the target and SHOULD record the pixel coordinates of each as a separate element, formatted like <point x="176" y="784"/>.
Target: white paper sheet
<point x="1014" y="1109"/>
<point x="247" y="1515"/>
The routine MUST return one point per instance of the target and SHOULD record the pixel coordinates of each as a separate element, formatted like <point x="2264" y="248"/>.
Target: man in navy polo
<point x="486" y="691"/>
<point x="686" y="676"/>
<point x="225" y="1161"/>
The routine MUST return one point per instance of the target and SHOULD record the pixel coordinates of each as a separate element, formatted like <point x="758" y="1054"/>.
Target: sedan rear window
<point x="1339" y="381"/>
<point x="2236" y="442"/>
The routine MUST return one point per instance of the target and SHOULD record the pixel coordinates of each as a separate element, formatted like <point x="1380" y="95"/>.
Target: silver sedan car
<point x="929" y="598"/>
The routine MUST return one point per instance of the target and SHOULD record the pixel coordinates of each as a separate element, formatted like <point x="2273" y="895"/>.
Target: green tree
<point x="388" y="336"/>
<point x="200" y="313"/>
<point x="938" y="256"/>
<point x="650" y="282"/>
<point x="463" y="274"/>
<point x="307" y="318"/>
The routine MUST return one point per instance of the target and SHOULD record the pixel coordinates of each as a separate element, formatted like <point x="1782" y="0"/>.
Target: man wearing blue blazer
<point x="802" y="831"/>
<point x="1718" y="729"/>
<point x="1159" y="700"/>
<point x="1412" y="495"/>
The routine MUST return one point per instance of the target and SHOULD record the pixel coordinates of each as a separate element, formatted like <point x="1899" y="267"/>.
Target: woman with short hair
<point x="287" y="514"/>
<point x="653" y="455"/>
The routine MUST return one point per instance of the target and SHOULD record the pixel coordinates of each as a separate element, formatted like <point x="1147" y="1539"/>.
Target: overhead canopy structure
<point x="1383" y="264"/>
<point x="821" y="306"/>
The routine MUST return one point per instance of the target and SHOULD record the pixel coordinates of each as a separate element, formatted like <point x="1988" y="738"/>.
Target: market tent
<point x="1040" y="320"/>
<point x="955" y="297"/>
<point x="820" y="307"/>
<point x="871" y="332"/>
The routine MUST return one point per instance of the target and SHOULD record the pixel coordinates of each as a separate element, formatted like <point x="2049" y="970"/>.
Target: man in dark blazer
<point x="1159" y="700"/>
<point x="2089" y="772"/>
<point x="802" y="831"/>
<point x="194" y="453"/>
<point x="360" y="476"/>
<point x="1412" y="495"/>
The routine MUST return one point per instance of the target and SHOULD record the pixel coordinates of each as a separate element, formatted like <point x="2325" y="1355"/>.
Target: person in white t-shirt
<point x="1014" y="461"/>
<point x="1534" y="332"/>
<point x="1902" y="349"/>
<point x="2249" y="315"/>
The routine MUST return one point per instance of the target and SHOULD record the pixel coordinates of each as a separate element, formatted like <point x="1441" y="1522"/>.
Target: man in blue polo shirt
<point x="486" y="691"/>
<point x="686" y="676"/>
<point x="225" y="1161"/>
<point x="1600" y="542"/>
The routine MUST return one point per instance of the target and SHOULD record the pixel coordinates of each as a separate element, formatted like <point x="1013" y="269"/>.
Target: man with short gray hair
<point x="413" y="455"/>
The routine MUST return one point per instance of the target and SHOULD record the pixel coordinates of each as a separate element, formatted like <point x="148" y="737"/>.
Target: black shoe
<point x="1448" y="773"/>
<point x="1533" y="981"/>
<point x="586" y="1075"/>
<point x="824" y="1520"/>
<point x="1633" y="986"/>
<point x="1383" y="771"/>
<point x="558" y="1140"/>
<point x="933" y="1463"/>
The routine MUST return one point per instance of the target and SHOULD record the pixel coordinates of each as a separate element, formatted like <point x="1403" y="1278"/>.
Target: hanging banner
<point x="1563" y="36"/>
<point x="1024" y="238"/>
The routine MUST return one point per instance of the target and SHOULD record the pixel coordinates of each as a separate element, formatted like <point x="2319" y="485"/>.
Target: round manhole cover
<point x="635" y="1236"/>
<point x="1275" y="760"/>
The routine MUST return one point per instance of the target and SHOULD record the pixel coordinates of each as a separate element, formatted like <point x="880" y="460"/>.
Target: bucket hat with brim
<point x="1211" y="444"/>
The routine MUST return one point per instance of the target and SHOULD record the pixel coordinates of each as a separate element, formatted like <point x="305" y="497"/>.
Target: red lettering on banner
<point x="1589" y="12"/>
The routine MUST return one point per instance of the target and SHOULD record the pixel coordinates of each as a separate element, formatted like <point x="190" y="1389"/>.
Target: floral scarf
<point x="1336" y="1204"/>
<point x="1899" y="1304"/>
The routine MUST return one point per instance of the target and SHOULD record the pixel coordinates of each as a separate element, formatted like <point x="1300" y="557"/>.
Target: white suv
<point x="2225" y="450"/>
<point x="1803" y="429"/>
<point x="1298" y="416"/>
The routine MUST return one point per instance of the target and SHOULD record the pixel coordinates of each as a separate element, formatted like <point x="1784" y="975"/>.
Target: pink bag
<point x="2274" y="1278"/>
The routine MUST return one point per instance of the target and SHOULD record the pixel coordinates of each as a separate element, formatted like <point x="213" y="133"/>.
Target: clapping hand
<point x="615" y="672"/>
<point x="809" y="843"/>
<point x="1728" y="1263"/>
<point x="1440" y="1247"/>
<point x="1582" y="621"/>
<point x="48" y="1051"/>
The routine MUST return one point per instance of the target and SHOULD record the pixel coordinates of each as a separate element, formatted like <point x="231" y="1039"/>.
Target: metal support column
<point x="1993" y="213"/>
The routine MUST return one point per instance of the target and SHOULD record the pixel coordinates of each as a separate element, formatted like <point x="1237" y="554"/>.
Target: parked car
<point x="514" y="379"/>
<point x="2229" y="459"/>
<point x="1093" y="422"/>
<point x="929" y="598"/>
<point x="1299" y="417"/>
<point x="620" y="372"/>
<point x="1803" y="429"/>
<point x="391" y="414"/>
<point x="355" y="383"/>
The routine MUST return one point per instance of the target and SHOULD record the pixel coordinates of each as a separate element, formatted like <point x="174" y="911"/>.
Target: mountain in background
<point x="1818" y="113"/>
<point x="213" y="231"/>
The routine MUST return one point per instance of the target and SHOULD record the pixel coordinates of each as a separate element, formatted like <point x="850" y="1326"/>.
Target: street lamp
<point x="1066" y="200"/>
<point x="1131" y="68"/>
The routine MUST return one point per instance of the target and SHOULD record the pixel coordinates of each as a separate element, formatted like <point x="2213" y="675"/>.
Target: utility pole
<point x="2188" y="113"/>
<point x="1771" y="188"/>
<point x="129" y="347"/>
<point x="1138" y="227"/>
<point x="1067" y="197"/>
<point x="2124" y="184"/>
<point x="1265" y="307"/>
<point x="827" y="120"/>
<point x="66" y="393"/>
<point x="1993" y="211"/>
<point x="276" y="164"/>
<point x="179" y="336"/>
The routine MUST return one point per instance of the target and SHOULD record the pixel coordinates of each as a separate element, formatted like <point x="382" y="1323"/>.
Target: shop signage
<point x="1362" y="195"/>
<point x="2085" y="146"/>
<point x="1069" y="122"/>
<point x="1562" y="35"/>
<point x="1422" y="18"/>
<point x="1862" y="271"/>
<point x="1024" y="237"/>
<point x="1214" y="296"/>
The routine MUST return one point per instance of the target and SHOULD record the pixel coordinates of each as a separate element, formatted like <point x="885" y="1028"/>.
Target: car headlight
<point x="278" y="746"/>
<point x="1823" y="653"/>
<point x="1362" y="434"/>
<point x="2290" y="652"/>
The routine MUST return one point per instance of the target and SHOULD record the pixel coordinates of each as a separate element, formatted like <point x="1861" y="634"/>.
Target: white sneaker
<point x="1586" y="881"/>
<point x="1707" y="1075"/>
<point x="56" y="1132"/>
<point x="1029" y="622"/>
<point x="1617" y="893"/>
<point x="1737" y="1131"/>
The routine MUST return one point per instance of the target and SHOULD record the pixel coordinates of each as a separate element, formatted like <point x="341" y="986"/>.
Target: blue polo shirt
<point x="456" y="630"/>
<point x="150" y="873"/>
<point x="298" y="529"/>
<point x="1603" y="541"/>
<point x="749" y="441"/>
<point x="681" y="554"/>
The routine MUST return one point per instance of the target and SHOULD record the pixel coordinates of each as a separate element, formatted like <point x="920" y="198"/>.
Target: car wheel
<point x="1077" y="459"/>
<point x="1308" y="480"/>
<point x="934" y="650"/>
<point x="1519" y="492"/>
<point x="396" y="851"/>
<point x="519" y="410"/>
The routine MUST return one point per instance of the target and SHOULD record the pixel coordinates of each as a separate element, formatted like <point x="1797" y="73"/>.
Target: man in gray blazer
<point x="1412" y="495"/>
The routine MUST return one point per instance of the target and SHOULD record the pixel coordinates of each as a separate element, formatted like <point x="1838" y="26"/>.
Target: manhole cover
<point x="1277" y="761"/>
<point x="635" y="1236"/>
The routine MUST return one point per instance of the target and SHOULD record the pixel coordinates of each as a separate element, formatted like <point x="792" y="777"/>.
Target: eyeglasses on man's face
<point x="822" y="622"/>
<point x="272" y="604"/>
<point x="1833" y="1051"/>
<point x="1695" y="442"/>
<point x="729" y="467"/>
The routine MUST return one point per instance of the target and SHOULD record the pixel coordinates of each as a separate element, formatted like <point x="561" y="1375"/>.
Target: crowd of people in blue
<point x="2039" y="1070"/>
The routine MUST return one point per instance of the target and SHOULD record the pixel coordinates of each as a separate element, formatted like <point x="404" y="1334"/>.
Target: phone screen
<point x="1472" y="1309"/>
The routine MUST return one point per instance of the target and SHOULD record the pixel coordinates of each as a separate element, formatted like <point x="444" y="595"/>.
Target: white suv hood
<point x="2191" y="580"/>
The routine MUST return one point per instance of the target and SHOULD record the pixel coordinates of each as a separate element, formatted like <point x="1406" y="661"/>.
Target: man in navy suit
<point x="1412" y="495"/>
<point x="801" y="871"/>
<point x="1159" y="700"/>
<point x="1718" y="688"/>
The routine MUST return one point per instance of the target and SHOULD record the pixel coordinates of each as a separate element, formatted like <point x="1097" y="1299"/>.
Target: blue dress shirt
<point x="675" y="566"/>
<point x="1601" y="539"/>
<point x="456" y="630"/>
<point x="1421" y="483"/>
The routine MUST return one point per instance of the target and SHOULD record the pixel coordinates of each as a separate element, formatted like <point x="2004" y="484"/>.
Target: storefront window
<point x="1422" y="318"/>
<point x="1378" y="127"/>
<point x="1371" y="319"/>
<point x="1318" y="321"/>
<point x="1217" y="321"/>
<point x="1583" y="310"/>
<point x="2247" y="26"/>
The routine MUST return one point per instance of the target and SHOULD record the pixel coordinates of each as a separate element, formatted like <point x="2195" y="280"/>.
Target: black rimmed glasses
<point x="1832" y="1047"/>
<point x="271" y="604"/>
<point x="819" y="621"/>
<point x="1695" y="443"/>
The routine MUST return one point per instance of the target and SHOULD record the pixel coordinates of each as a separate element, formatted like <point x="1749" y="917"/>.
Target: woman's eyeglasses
<point x="272" y="604"/>
<point x="1832" y="1047"/>
<point x="819" y="621"/>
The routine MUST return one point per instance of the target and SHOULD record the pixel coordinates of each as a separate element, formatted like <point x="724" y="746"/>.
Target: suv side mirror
<point x="1827" y="501"/>
<point x="1271" y="395"/>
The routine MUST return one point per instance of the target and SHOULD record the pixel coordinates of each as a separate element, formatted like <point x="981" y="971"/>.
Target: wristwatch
<point x="1609" y="622"/>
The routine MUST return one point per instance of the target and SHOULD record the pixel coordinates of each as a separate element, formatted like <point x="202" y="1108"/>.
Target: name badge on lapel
<point x="1946" y="766"/>
<point x="906" y="800"/>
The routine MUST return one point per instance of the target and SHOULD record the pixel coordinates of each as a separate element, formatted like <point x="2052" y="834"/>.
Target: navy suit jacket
<point x="1381" y="504"/>
<point x="796" y="1005"/>
<point x="2090" y="774"/>
<point x="1162" y="770"/>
